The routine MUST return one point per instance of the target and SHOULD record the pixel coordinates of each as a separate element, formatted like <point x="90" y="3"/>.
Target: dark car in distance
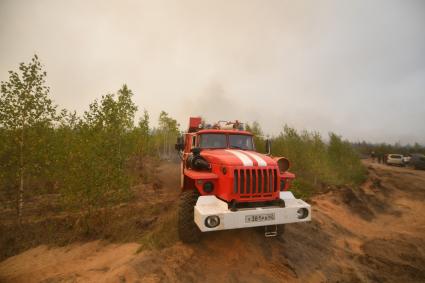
<point x="417" y="161"/>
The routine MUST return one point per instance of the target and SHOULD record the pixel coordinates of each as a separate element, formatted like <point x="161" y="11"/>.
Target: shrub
<point x="316" y="163"/>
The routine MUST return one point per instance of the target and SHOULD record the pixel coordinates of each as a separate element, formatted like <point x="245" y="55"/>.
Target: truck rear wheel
<point x="187" y="229"/>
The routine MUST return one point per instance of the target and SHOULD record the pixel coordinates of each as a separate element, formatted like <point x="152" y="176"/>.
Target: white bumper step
<point x="295" y="210"/>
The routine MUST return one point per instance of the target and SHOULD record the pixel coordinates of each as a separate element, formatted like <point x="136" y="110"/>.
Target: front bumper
<point x="260" y="216"/>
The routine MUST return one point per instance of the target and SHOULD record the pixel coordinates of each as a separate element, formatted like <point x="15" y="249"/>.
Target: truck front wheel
<point x="187" y="229"/>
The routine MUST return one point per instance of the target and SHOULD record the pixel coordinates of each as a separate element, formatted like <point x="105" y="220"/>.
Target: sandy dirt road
<point x="375" y="233"/>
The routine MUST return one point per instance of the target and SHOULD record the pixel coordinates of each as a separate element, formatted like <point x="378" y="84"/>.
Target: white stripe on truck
<point x="261" y="162"/>
<point x="246" y="161"/>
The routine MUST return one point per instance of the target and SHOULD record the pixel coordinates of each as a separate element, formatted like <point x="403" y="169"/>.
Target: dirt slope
<point x="372" y="234"/>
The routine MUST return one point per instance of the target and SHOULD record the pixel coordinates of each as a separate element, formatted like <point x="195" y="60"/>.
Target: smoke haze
<point x="356" y="68"/>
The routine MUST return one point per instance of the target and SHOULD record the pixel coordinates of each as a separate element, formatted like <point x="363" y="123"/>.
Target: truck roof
<point x="220" y="131"/>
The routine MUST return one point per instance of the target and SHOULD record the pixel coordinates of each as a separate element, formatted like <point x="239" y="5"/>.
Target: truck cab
<point x="227" y="184"/>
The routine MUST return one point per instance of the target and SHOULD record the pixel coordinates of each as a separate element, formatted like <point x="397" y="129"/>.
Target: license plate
<point x="259" y="218"/>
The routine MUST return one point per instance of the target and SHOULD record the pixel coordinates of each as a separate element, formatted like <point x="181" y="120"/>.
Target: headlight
<point x="212" y="221"/>
<point x="302" y="213"/>
<point x="283" y="164"/>
<point x="208" y="187"/>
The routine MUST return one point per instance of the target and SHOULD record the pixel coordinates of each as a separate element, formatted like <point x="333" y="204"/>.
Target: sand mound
<point x="362" y="234"/>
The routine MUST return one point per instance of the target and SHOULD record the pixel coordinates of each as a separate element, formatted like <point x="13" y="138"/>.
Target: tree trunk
<point x="21" y="197"/>
<point x="164" y="151"/>
<point x="20" y="204"/>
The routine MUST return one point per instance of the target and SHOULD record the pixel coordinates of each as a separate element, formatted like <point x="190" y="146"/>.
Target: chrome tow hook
<point x="270" y="231"/>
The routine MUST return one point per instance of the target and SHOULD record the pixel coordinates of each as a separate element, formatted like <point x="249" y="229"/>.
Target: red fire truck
<point x="226" y="184"/>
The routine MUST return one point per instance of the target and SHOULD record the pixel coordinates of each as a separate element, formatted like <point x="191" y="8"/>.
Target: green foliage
<point x="26" y="118"/>
<point x="92" y="160"/>
<point x="345" y="161"/>
<point x="166" y="135"/>
<point x="143" y="137"/>
<point x="318" y="164"/>
<point x="99" y="148"/>
<point x="88" y="159"/>
<point x="24" y="98"/>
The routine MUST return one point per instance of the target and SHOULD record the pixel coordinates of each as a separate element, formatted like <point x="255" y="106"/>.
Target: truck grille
<point x="255" y="182"/>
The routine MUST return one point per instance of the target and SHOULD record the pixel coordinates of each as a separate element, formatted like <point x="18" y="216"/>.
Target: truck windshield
<point x="241" y="142"/>
<point x="220" y="141"/>
<point x="212" y="141"/>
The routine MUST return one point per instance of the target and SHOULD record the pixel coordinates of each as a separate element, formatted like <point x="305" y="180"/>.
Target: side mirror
<point x="268" y="146"/>
<point x="179" y="146"/>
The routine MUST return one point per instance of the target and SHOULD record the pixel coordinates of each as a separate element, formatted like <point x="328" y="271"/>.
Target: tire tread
<point x="187" y="229"/>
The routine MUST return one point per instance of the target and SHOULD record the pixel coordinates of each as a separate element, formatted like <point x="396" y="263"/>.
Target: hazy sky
<point x="353" y="67"/>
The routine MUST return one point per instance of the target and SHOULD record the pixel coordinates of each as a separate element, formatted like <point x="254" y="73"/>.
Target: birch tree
<point x="169" y="130"/>
<point x="24" y="104"/>
<point x="97" y="175"/>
